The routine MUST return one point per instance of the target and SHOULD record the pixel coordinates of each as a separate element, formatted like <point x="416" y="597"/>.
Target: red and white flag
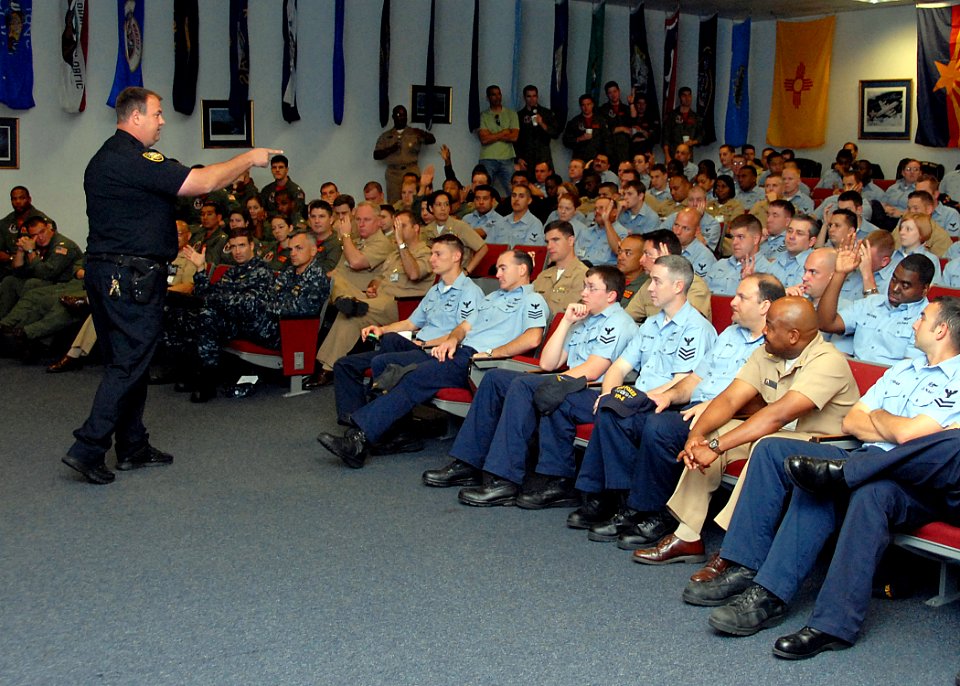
<point x="73" y="44"/>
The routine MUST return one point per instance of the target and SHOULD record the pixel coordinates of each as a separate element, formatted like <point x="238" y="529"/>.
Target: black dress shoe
<point x="65" y="364"/>
<point x="351" y="447"/>
<point x="75" y="305"/>
<point x="611" y="529"/>
<point x="806" y="643"/>
<point x="753" y="610"/>
<point x="457" y="473"/>
<point x="94" y="473"/>
<point x="399" y="444"/>
<point x="596" y="508"/>
<point x="183" y="387"/>
<point x="496" y="491"/>
<point x="555" y="491"/>
<point x="816" y="475"/>
<point x="732" y="581"/>
<point x="147" y="456"/>
<point x="649" y="530"/>
<point x="351" y="307"/>
<point x="320" y="378"/>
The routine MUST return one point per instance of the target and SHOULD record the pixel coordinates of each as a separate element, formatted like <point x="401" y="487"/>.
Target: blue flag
<point x="129" y="48"/>
<point x="738" y="105"/>
<point x="384" y="91"/>
<point x="239" y="59"/>
<point x="16" y="55"/>
<point x="338" y="66"/>
<point x="558" y="76"/>
<point x="595" y="54"/>
<point x="473" y="107"/>
<point x="186" y="55"/>
<point x="288" y="101"/>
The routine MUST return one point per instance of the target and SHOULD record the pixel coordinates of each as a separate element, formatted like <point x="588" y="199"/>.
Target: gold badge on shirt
<point x="153" y="156"/>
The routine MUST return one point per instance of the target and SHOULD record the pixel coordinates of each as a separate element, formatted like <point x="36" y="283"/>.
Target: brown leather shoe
<point x="710" y="571"/>
<point x="65" y="364"/>
<point x="670" y="549"/>
<point x="320" y="378"/>
<point x="76" y="304"/>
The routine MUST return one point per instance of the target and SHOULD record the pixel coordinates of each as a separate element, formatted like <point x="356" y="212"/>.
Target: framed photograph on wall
<point x="442" y="104"/>
<point x="9" y="143"/>
<point x="885" y="108"/>
<point x="221" y="130"/>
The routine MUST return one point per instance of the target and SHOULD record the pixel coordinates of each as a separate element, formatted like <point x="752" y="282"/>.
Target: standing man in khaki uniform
<point x="399" y="147"/>
<point x="808" y="389"/>
<point x="562" y="283"/>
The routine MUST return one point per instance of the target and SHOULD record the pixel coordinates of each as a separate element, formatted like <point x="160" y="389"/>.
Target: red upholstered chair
<point x="821" y="194"/>
<point x="722" y="314"/>
<point x="487" y="266"/>
<point x="884" y="184"/>
<point x="939" y="541"/>
<point x="943" y="290"/>
<point x="538" y="253"/>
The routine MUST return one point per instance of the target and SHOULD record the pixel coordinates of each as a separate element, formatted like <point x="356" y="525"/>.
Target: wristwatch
<point x="401" y="246"/>
<point x="872" y="291"/>
<point x="714" y="445"/>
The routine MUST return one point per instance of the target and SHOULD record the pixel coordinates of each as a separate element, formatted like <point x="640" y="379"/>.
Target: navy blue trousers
<point x="128" y="333"/>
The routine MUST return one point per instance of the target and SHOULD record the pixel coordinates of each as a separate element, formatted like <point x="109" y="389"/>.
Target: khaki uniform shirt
<point x="820" y="373"/>
<point x="459" y="228"/>
<point x="395" y="280"/>
<point x="376" y="249"/>
<point x="939" y="241"/>
<point x="561" y="292"/>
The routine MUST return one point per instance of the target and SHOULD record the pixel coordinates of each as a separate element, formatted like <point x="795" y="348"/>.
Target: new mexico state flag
<point x="801" y="80"/>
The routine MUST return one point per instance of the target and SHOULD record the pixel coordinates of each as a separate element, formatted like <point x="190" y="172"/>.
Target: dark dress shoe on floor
<point x="596" y="508"/>
<point x="65" y="364"/>
<point x="610" y="530"/>
<point x="553" y="492"/>
<point x="753" y="610"/>
<point x="351" y="448"/>
<point x="320" y="378"/>
<point x="457" y="473"/>
<point x="816" y="475"/>
<point x="147" y="456"/>
<point x="649" y="530"/>
<point x="715" y="566"/>
<point x="731" y="582"/>
<point x="669" y="550"/>
<point x="495" y="491"/>
<point x="94" y="473"/>
<point x="806" y="643"/>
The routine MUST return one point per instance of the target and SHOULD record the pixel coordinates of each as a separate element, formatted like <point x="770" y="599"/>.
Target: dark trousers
<point x="128" y="332"/>
<point x="349" y="372"/>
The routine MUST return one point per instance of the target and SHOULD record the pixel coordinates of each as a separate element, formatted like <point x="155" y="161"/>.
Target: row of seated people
<point x="772" y="363"/>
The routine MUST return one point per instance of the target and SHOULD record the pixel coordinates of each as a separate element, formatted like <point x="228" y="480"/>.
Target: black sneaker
<point x="351" y="447"/>
<point x="753" y="610"/>
<point x="731" y="582"/>
<point x="147" y="456"/>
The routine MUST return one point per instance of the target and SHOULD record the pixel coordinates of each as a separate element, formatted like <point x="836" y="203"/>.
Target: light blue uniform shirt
<point x="591" y="244"/>
<point x="871" y="191"/>
<point x="789" y="268"/>
<point x="912" y="387"/>
<point x="951" y="273"/>
<point x="750" y="198"/>
<point x="900" y="253"/>
<point x="709" y="227"/>
<point x="527" y="231"/>
<point x="663" y="349"/>
<point x="831" y="179"/>
<point x="605" y="335"/>
<point x="443" y="308"/>
<point x="700" y="257"/>
<point x="644" y="221"/>
<point x="881" y="333"/>
<point x="801" y="203"/>
<point x="897" y="194"/>
<point x="660" y="195"/>
<point x="482" y="221"/>
<point x="948" y="218"/>
<point x="771" y="248"/>
<point x="725" y="359"/>
<point x="502" y="316"/>
<point x="724" y="276"/>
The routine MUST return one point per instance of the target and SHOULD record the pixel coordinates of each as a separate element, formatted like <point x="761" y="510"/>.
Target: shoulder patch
<point x="153" y="156"/>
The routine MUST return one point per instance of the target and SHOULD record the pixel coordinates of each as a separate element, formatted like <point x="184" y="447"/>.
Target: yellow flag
<point x="801" y="81"/>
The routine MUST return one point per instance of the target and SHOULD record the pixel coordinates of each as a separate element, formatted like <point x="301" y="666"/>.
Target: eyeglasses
<point x="909" y="169"/>
<point x="593" y="289"/>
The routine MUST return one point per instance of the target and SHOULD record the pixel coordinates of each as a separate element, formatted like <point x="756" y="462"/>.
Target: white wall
<point x="871" y="44"/>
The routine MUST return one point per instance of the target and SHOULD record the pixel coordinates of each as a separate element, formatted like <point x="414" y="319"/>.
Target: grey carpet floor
<point x="256" y="558"/>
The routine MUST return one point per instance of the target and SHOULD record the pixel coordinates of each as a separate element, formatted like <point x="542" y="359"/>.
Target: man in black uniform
<point x="131" y="195"/>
